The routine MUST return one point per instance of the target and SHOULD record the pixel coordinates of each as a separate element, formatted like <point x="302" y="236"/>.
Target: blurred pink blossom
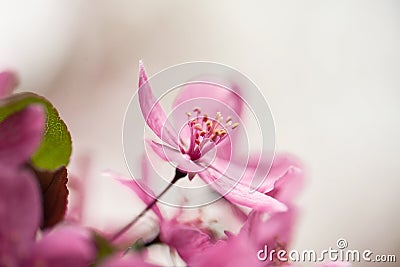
<point x="20" y="202"/>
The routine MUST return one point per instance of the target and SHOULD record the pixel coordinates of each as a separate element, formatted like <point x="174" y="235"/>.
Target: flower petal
<point x="8" y="81"/>
<point x="140" y="190"/>
<point x="64" y="247"/>
<point x="20" y="135"/>
<point x="233" y="252"/>
<point x="174" y="156"/>
<point x="240" y="194"/>
<point x="153" y="113"/>
<point x="187" y="240"/>
<point x="19" y="212"/>
<point x="284" y="167"/>
<point x="222" y="99"/>
<point x="278" y="228"/>
<point x="290" y="176"/>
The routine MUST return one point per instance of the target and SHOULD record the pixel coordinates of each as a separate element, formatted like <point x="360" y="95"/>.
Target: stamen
<point x="235" y="125"/>
<point x="197" y="110"/>
<point x="198" y="127"/>
<point x="206" y="132"/>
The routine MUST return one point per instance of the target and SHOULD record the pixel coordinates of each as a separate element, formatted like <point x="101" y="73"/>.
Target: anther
<point x="197" y="110"/>
<point x="235" y="125"/>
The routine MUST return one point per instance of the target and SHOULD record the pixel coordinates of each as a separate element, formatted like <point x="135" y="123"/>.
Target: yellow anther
<point x="188" y="114"/>
<point x="198" y="127"/>
<point x="229" y="119"/>
<point x="235" y="125"/>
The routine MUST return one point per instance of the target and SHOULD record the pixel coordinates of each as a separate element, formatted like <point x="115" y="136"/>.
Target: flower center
<point x="205" y="132"/>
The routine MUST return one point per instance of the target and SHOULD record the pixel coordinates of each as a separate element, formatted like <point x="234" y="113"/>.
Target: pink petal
<point x="174" y="156"/>
<point x="290" y="178"/>
<point x="20" y="135"/>
<point x="64" y="247"/>
<point x="8" y="81"/>
<point x="129" y="260"/>
<point x="268" y="231"/>
<point x="140" y="189"/>
<point x="187" y="240"/>
<point x="153" y="113"/>
<point x="222" y="100"/>
<point x="234" y="252"/>
<point x="283" y="167"/>
<point x="20" y="210"/>
<point x="240" y="194"/>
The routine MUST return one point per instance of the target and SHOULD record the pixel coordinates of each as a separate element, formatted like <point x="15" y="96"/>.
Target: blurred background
<point x="329" y="69"/>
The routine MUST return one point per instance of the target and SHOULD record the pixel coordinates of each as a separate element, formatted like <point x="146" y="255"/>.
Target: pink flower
<point x="20" y="202"/>
<point x="203" y="138"/>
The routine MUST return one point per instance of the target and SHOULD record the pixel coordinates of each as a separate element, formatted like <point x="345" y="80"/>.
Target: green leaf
<point x="56" y="147"/>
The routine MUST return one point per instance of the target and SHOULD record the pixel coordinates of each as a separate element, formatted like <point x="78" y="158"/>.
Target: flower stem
<point x="178" y="175"/>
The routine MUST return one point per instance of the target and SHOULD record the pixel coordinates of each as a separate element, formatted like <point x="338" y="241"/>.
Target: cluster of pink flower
<point x="267" y="219"/>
